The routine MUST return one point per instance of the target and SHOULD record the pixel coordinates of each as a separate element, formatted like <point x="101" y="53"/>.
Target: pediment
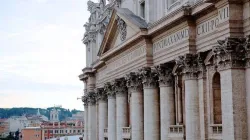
<point x="122" y="26"/>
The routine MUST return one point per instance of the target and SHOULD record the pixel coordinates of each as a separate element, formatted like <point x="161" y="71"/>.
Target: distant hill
<point x="8" y="112"/>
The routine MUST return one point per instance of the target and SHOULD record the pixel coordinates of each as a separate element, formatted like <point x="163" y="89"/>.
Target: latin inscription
<point x="127" y="58"/>
<point x="171" y="40"/>
<point x="212" y="24"/>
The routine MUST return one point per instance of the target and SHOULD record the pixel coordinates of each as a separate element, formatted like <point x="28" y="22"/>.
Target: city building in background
<point x="167" y="70"/>
<point x="31" y="133"/>
<point x="4" y="128"/>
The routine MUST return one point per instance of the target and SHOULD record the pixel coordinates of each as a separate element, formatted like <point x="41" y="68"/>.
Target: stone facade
<point x="167" y="70"/>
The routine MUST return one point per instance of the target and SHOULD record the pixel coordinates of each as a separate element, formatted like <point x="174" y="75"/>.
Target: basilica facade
<point x="167" y="70"/>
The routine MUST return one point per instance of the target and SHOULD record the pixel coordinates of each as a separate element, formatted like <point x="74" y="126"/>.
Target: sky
<point x="41" y="53"/>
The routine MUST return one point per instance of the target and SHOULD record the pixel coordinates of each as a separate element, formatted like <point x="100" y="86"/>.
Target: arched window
<point x="217" y="112"/>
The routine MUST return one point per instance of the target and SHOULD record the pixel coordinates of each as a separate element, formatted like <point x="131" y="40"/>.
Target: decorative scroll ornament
<point x="230" y="53"/>
<point x="92" y="98"/>
<point x="109" y="89"/>
<point x="134" y="81"/>
<point x="247" y="48"/>
<point x="149" y="78"/>
<point x="101" y="96"/>
<point x="165" y="75"/>
<point x="120" y="86"/>
<point x="122" y="27"/>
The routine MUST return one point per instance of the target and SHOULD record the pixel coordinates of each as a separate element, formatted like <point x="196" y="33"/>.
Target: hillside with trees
<point x="8" y="112"/>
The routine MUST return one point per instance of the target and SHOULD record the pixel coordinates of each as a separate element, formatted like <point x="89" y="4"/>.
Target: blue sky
<point x="41" y="53"/>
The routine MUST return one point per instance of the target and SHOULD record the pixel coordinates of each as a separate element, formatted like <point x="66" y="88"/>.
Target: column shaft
<point x="167" y="110"/>
<point x="233" y="95"/>
<point x="111" y="118"/>
<point x="136" y="115"/>
<point x="92" y="122"/>
<point x="85" y="122"/>
<point x="103" y="117"/>
<point x="121" y="114"/>
<point x="192" y="109"/>
<point x="151" y="114"/>
<point x="248" y="98"/>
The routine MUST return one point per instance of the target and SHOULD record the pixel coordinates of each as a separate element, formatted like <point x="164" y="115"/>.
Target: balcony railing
<point x="126" y="132"/>
<point x="106" y="132"/>
<point x="216" y="128"/>
<point x="176" y="131"/>
<point x="216" y="132"/>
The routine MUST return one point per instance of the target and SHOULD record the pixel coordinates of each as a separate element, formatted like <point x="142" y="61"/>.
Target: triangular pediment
<point x="122" y="26"/>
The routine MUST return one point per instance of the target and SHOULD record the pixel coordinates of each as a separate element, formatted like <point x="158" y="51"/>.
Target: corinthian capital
<point x="120" y="86"/>
<point x="91" y="98"/>
<point x="101" y="96"/>
<point x="85" y="100"/>
<point x="247" y="48"/>
<point x="149" y="78"/>
<point x="134" y="81"/>
<point x="109" y="89"/>
<point x="230" y="53"/>
<point x="165" y="75"/>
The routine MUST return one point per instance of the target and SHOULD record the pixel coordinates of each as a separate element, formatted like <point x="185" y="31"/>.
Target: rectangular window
<point x="142" y="9"/>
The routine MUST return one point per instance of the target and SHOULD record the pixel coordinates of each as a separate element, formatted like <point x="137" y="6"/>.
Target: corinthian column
<point x="92" y="116"/>
<point x="135" y="86"/>
<point x="121" y="107"/>
<point x="102" y="111"/>
<point x="109" y="89"/>
<point x="167" y="117"/>
<point x="189" y="64"/>
<point x="85" y="100"/>
<point x="151" y="104"/>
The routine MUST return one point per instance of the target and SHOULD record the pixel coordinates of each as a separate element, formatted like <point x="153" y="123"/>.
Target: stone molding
<point x="191" y="65"/>
<point x="120" y="87"/>
<point x="134" y="82"/>
<point x="165" y="75"/>
<point x="109" y="89"/>
<point x="149" y="77"/>
<point x="230" y="53"/>
<point x="91" y="98"/>
<point x="122" y="27"/>
<point x="101" y="95"/>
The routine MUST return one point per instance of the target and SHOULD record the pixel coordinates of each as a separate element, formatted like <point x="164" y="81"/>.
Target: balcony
<point x="176" y="131"/>
<point x="216" y="131"/>
<point x="126" y="133"/>
<point x="105" y="132"/>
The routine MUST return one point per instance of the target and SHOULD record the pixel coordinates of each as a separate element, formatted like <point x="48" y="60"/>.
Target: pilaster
<point x="92" y="123"/>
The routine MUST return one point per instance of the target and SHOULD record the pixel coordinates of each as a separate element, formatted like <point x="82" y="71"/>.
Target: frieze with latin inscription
<point x="212" y="24"/>
<point x="171" y="40"/>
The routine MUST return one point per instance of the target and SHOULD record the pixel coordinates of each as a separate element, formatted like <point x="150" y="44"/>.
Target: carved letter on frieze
<point x="122" y="26"/>
<point x="134" y="81"/>
<point x="165" y="75"/>
<point x="149" y="78"/>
